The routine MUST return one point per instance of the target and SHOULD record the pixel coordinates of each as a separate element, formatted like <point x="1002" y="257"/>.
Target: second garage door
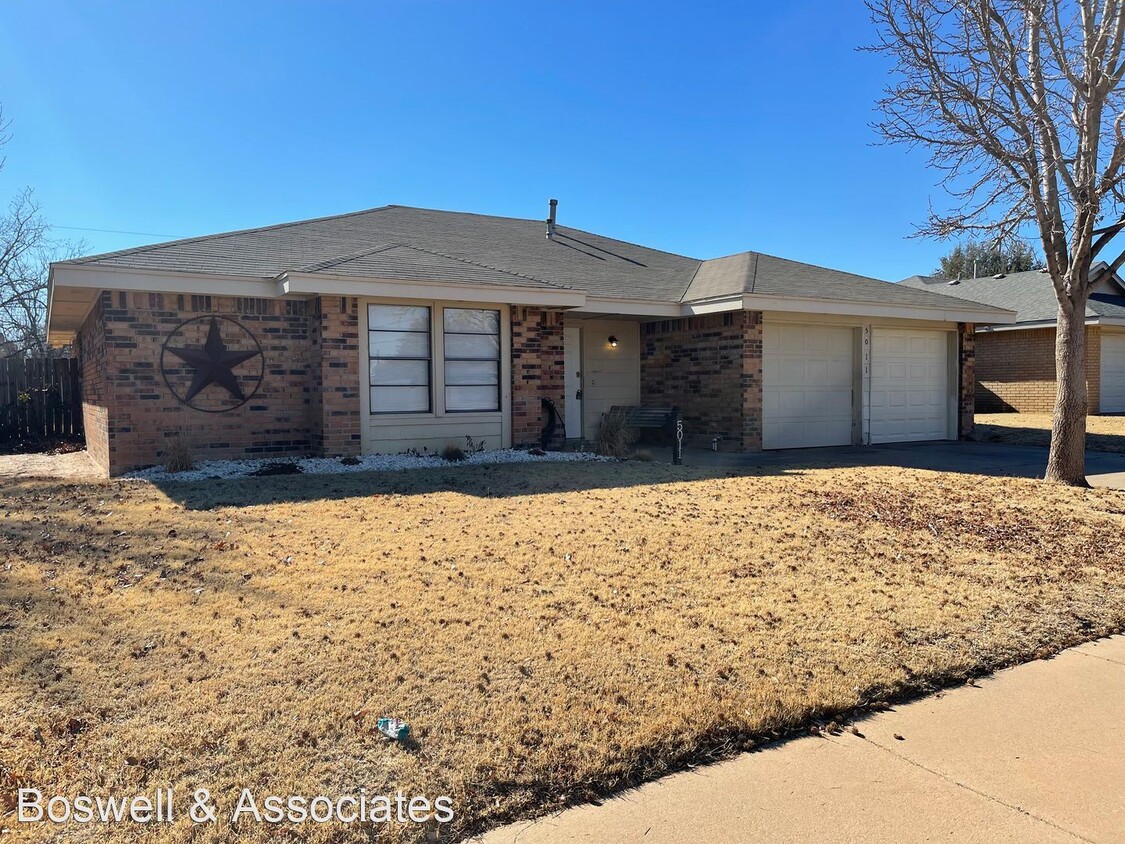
<point x="909" y="385"/>
<point x="1113" y="372"/>
<point x="807" y="377"/>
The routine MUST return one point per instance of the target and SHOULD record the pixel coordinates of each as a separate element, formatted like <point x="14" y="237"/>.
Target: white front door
<point x="572" y="380"/>
<point x="1113" y="372"/>
<point x="807" y="380"/>
<point x="910" y="398"/>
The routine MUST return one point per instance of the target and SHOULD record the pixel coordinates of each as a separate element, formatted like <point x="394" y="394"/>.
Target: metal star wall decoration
<point x="213" y="364"/>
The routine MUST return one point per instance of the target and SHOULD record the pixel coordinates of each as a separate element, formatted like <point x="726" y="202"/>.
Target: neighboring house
<point x="1015" y="367"/>
<point x="403" y="328"/>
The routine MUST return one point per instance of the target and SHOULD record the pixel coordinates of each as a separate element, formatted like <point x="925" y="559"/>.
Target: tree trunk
<point x="1066" y="463"/>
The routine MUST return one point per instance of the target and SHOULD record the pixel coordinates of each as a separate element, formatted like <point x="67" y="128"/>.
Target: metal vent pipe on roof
<point x="554" y="203"/>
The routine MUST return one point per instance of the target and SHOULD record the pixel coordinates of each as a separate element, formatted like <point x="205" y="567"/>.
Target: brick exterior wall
<point x="1015" y="370"/>
<point x="710" y="367"/>
<point x="966" y="381"/>
<point x="90" y="347"/>
<point x="143" y="413"/>
<point x="335" y="378"/>
<point x="538" y="370"/>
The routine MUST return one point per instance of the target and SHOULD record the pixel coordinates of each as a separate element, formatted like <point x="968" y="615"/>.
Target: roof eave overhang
<point x="1029" y="325"/>
<point x="954" y="312"/>
<point x="315" y="284"/>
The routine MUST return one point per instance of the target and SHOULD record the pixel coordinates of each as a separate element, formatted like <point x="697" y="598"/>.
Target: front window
<point x="398" y="343"/>
<point x="472" y="359"/>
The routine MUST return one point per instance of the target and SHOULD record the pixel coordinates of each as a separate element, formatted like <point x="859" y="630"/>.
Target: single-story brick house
<point x="403" y="328"/>
<point x="1015" y="367"/>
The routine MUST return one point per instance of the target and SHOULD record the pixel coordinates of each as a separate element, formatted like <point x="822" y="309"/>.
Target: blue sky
<point x="700" y="128"/>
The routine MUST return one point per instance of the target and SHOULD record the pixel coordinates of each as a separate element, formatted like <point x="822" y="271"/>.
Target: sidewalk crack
<point x="983" y="794"/>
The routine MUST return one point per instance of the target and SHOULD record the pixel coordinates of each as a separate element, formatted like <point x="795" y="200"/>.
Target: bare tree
<point x="1020" y="103"/>
<point x="26" y="251"/>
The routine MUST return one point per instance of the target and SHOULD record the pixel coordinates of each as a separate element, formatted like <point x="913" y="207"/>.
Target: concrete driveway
<point x="1025" y="461"/>
<point x="1033" y="753"/>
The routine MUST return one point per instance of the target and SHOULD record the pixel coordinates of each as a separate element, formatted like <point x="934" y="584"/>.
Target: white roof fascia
<point x="630" y="307"/>
<point x="205" y="284"/>
<point x="954" y="312"/>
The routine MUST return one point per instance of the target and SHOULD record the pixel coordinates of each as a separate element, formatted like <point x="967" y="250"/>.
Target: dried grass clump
<point x="643" y="455"/>
<point x="178" y="456"/>
<point x="452" y="454"/>
<point x="614" y="435"/>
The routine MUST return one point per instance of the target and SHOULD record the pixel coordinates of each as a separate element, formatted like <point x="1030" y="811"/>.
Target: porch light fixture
<point x="612" y="341"/>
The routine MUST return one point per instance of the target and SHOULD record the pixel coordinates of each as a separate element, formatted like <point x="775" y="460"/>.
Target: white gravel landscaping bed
<point x="208" y="469"/>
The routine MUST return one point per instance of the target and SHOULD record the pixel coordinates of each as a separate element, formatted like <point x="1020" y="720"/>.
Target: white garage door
<point x="807" y="377"/>
<point x="909" y="385"/>
<point x="1113" y="372"/>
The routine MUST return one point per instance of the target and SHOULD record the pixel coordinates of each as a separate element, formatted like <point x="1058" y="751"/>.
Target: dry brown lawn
<point x="551" y="633"/>
<point x="1103" y="433"/>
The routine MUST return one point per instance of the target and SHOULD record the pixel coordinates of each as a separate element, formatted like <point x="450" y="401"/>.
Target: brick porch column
<point x="967" y="382"/>
<point x="335" y="379"/>
<point x="538" y="370"/>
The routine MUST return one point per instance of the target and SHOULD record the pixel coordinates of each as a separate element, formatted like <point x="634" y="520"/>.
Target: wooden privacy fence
<point x="40" y="399"/>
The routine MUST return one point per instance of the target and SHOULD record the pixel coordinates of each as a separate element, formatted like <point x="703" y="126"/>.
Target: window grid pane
<point x="399" y="352"/>
<point x="472" y="360"/>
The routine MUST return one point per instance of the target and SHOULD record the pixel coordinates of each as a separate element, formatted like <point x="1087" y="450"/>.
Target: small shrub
<point x="178" y="456"/>
<point x="614" y="435"/>
<point x="643" y="454"/>
<point x="350" y="460"/>
<point x="452" y="454"/>
<point x="279" y="468"/>
<point x="472" y="446"/>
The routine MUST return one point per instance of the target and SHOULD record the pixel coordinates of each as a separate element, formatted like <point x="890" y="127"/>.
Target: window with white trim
<point x="472" y="359"/>
<point x="399" y="345"/>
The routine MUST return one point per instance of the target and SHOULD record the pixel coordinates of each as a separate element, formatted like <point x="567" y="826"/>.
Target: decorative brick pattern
<point x="1015" y="370"/>
<point x="966" y="386"/>
<point x="335" y="376"/>
<point x="710" y="367"/>
<point x="538" y="370"/>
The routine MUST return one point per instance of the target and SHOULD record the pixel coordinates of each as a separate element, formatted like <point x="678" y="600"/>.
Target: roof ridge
<point x="486" y="266"/>
<point x="134" y="250"/>
<point x="316" y="266"/>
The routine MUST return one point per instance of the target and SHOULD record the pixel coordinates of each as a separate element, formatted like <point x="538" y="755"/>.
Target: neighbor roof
<point x="421" y="244"/>
<point x="1030" y="294"/>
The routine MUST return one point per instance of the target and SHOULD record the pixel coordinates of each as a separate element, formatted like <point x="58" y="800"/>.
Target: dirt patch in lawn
<point x="550" y="633"/>
<point x="1103" y="433"/>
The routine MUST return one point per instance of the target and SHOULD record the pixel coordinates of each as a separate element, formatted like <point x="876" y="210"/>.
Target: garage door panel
<point x="909" y="385"/>
<point x="807" y="374"/>
<point x="1113" y="372"/>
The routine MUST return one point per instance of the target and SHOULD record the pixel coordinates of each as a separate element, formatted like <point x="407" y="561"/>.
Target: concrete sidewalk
<point x="1034" y="753"/>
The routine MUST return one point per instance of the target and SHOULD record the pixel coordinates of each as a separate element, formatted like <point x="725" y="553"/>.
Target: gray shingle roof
<point x="445" y="243"/>
<point x="753" y="272"/>
<point x="421" y="244"/>
<point x="1030" y="294"/>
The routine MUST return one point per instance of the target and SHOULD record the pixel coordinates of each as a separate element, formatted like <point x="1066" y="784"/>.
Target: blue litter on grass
<point x="393" y="728"/>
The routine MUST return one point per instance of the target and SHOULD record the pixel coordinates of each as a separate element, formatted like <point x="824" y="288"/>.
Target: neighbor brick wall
<point x="334" y="383"/>
<point x="538" y="370"/>
<point x="710" y="367"/>
<point x="90" y="349"/>
<point x="966" y="386"/>
<point x="143" y="413"/>
<point x="1015" y="370"/>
